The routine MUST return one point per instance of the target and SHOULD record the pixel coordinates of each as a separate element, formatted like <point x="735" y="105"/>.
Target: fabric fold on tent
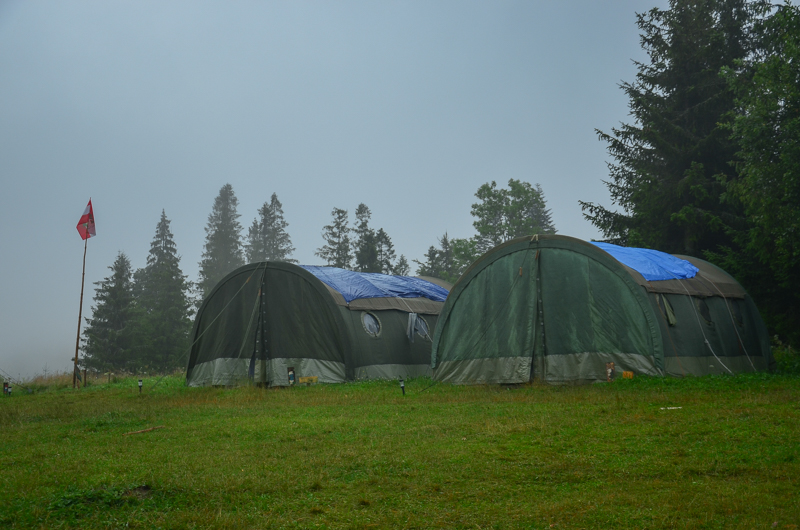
<point x="653" y="265"/>
<point x="358" y="285"/>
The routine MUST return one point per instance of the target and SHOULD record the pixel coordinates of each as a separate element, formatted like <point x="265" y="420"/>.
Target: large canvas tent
<point x="560" y="309"/>
<point x="266" y="319"/>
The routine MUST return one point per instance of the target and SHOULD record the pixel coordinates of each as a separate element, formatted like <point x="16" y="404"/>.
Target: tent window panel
<point x="704" y="311"/>
<point x="416" y="326"/>
<point x="371" y="324"/>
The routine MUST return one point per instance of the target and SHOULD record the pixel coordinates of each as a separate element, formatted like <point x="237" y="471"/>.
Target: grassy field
<point x="714" y="452"/>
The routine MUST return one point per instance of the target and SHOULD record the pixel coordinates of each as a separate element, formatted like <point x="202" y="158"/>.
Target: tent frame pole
<point x="80" y="311"/>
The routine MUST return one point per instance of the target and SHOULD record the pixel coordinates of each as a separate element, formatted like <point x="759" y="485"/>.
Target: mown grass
<point x="363" y="456"/>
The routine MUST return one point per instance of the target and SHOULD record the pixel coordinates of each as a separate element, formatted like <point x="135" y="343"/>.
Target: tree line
<point x="141" y="320"/>
<point x="500" y="215"/>
<point x="367" y="250"/>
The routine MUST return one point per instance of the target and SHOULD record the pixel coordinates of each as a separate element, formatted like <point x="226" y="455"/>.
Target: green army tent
<point x="560" y="309"/>
<point x="272" y="323"/>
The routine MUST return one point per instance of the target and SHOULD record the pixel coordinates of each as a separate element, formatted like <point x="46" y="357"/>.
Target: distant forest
<point x="709" y="166"/>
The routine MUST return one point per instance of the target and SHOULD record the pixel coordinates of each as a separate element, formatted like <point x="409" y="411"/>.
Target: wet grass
<point x="713" y="452"/>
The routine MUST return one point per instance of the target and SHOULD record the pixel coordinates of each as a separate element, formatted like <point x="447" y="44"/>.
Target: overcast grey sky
<point x="406" y="106"/>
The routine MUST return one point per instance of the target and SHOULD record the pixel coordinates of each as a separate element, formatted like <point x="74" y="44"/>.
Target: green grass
<point x="363" y="456"/>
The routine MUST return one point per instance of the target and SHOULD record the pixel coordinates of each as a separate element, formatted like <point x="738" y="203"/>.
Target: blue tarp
<point x="652" y="264"/>
<point x="355" y="285"/>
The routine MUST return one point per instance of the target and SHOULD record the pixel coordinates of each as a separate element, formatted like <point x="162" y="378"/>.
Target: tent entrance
<point x="259" y="366"/>
<point x="536" y="311"/>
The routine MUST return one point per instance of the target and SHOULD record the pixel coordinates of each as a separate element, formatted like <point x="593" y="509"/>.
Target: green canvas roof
<point x="559" y="309"/>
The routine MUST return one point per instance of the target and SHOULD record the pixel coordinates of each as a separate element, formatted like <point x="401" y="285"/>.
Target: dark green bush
<point x="787" y="359"/>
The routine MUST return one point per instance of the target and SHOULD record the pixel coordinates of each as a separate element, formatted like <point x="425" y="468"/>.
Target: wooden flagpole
<point x="80" y="310"/>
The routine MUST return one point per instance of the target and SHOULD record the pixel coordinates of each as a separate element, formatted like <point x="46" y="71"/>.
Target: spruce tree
<point x="401" y="268"/>
<point x="110" y="336"/>
<point x="446" y="262"/>
<point x="267" y="239"/>
<point x="223" y="248"/>
<point x="162" y="292"/>
<point x="666" y="178"/>
<point x="385" y="251"/>
<point x="432" y="265"/>
<point x="336" y="250"/>
<point x="365" y="245"/>
<point x="254" y="247"/>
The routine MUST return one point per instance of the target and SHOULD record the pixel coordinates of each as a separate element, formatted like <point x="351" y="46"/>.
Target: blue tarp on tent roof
<point x="355" y="285"/>
<point x="652" y="264"/>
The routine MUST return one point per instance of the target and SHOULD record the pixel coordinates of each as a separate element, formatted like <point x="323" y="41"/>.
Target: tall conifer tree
<point x="402" y="268"/>
<point x="432" y="266"/>
<point x="385" y="252"/>
<point x="365" y="247"/>
<point x="444" y="262"/>
<point x="162" y="292"/>
<point x="669" y="164"/>
<point x="267" y="239"/>
<point x="223" y="248"/>
<point x="110" y="337"/>
<point x="446" y="258"/>
<point x="336" y="250"/>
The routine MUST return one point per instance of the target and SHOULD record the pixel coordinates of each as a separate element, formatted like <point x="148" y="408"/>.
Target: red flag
<point x="86" y="224"/>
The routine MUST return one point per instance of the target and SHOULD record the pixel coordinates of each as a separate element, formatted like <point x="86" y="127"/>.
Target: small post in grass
<point x="140" y="386"/>
<point x="403" y="386"/>
<point x="610" y="372"/>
